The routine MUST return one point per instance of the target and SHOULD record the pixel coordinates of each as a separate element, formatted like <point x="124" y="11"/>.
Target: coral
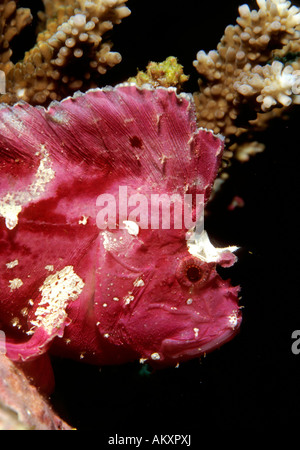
<point x="69" y="54"/>
<point x="242" y="78"/>
<point x="245" y="150"/>
<point x="271" y="85"/>
<point x="22" y="407"/>
<point x="167" y="73"/>
<point x="12" y="21"/>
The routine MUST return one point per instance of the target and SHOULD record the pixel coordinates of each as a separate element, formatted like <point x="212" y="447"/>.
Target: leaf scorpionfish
<point x="120" y="293"/>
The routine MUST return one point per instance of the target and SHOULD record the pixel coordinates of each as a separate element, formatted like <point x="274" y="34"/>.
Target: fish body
<point x="106" y="288"/>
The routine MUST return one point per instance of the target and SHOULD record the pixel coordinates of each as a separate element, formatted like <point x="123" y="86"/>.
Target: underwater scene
<point x="149" y="201"/>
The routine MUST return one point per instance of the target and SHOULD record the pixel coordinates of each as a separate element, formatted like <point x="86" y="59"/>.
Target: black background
<point x="252" y="382"/>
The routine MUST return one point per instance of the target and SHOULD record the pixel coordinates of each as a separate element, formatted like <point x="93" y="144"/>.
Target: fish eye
<point x="192" y="272"/>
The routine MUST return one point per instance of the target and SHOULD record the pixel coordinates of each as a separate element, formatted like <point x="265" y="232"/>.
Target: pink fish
<point x="72" y="287"/>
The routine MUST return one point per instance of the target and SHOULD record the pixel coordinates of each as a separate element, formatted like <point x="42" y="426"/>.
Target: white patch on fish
<point x="12" y="264"/>
<point x="201" y="247"/>
<point x="11" y="204"/>
<point x="57" y="291"/>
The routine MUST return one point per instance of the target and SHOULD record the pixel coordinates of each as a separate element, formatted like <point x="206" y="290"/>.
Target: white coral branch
<point x="271" y="84"/>
<point x="239" y="72"/>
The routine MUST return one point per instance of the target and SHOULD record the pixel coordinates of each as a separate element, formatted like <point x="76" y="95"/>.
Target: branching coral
<point x="252" y="75"/>
<point x="12" y="21"/>
<point x="70" y="53"/>
<point x="271" y="85"/>
<point x="241" y="78"/>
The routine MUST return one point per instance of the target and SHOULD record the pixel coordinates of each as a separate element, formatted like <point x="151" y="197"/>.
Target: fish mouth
<point x="180" y="349"/>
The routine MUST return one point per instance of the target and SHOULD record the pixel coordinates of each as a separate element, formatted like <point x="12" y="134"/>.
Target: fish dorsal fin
<point x="140" y="133"/>
<point x="22" y="131"/>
